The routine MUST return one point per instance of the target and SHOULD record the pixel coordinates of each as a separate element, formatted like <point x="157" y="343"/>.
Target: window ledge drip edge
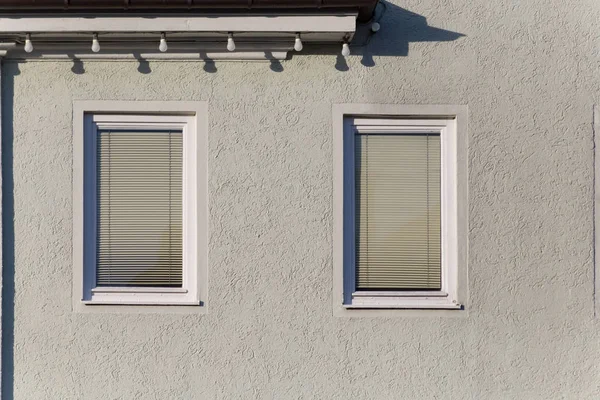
<point x="403" y="300"/>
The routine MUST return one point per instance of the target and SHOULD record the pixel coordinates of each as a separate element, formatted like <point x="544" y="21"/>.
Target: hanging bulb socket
<point x="95" y="43"/>
<point x="345" y="49"/>
<point x="163" y="47"/>
<point x="298" y="46"/>
<point x="28" y="44"/>
<point x="230" y="42"/>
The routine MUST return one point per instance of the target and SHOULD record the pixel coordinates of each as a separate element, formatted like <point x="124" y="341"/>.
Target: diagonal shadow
<point x="399" y="28"/>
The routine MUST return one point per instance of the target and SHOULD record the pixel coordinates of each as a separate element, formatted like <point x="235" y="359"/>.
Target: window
<point x="142" y="242"/>
<point x="399" y="199"/>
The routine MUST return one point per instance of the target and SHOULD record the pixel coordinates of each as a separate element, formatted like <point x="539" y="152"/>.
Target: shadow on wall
<point x="143" y="64"/>
<point x="8" y="71"/>
<point x="399" y="28"/>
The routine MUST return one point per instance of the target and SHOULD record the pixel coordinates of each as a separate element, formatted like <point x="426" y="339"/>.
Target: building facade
<point x="269" y="308"/>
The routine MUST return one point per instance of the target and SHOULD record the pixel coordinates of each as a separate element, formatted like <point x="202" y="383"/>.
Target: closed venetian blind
<point x="398" y="228"/>
<point x="139" y="208"/>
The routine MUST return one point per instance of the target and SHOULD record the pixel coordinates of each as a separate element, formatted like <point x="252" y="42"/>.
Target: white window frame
<point x="352" y="119"/>
<point x="147" y="115"/>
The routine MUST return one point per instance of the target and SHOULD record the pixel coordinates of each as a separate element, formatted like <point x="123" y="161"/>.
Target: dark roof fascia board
<point x="364" y="8"/>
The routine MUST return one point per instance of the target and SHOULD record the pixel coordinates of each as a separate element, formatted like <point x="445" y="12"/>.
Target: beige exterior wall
<point x="529" y="74"/>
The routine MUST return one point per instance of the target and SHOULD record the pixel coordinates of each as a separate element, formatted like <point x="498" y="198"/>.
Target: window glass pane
<point x="398" y="210"/>
<point x="139" y="208"/>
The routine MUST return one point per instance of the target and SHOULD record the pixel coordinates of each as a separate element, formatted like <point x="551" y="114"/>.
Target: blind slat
<point x="139" y="209"/>
<point x="398" y="212"/>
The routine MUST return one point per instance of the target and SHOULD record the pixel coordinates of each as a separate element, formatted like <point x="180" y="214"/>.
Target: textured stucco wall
<point x="529" y="73"/>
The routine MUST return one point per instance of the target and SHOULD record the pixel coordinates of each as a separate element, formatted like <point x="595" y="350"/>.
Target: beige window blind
<point x="139" y="208"/>
<point x="398" y="228"/>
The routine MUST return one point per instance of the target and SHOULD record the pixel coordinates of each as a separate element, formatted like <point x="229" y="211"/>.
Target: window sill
<point x="138" y="303"/>
<point x="141" y="296"/>
<point x="138" y="290"/>
<point x="403" y="300"/>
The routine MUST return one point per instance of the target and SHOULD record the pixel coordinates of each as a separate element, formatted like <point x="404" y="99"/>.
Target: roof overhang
<point x="198" y="36"/>
<point x="363" y="7"/>
<point x="196" y="29"/>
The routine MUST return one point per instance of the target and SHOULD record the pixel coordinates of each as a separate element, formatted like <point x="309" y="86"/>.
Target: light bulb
<point x="298" y="43"/>
<point x="163" y="43"/>
<point x="345" y="49"/>
<point x="230" y="42"/>
<point x="95" y="43"/>
<point x="28" y="44"/>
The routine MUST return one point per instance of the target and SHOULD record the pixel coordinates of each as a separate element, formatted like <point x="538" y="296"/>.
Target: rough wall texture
<point x="529" y="72"/>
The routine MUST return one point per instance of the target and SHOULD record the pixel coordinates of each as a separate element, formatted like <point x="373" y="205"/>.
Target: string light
<point x="345" y="49"/>
<point x="230" y="42"/>
<point x="28" y="44"/>
<point x="95" y="43"/>
<point x="163" y="46"/>
<point x="298" y="43"/>
<point x="163" y="43"/>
